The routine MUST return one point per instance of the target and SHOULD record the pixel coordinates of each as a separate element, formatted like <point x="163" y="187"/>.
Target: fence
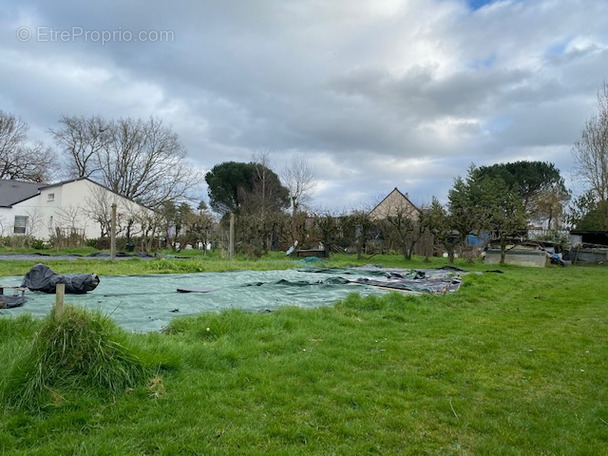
<point x="69" y="237"/>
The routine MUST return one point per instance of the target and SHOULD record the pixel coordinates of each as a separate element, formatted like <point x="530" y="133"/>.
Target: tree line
<point x="143" y="160"/>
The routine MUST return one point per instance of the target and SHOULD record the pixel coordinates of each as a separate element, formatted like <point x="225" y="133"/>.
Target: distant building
<point x="79" y="206"/>
<point x="397" y="205"/>
<point x="394" y="204"/>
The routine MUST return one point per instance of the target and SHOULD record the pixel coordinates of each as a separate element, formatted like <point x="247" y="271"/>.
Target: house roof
<point x="394" y="201"/>
<point x="13" y="191"/>
<point x="69" y="181"/>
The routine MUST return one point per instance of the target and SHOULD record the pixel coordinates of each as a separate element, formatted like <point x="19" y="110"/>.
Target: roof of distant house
<point x="393" y="203"/>
<point x="13" y="191"/>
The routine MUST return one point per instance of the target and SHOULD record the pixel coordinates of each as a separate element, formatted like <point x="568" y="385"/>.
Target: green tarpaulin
<point x="145" y="303"/>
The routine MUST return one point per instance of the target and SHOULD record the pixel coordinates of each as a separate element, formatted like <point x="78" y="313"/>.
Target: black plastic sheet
<point x="44" y="279"/>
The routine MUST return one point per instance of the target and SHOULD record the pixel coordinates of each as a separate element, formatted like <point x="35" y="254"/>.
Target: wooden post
<point x="59" y="295"/>
<point x="231" y="247"/>
<point x="113" y="234"/>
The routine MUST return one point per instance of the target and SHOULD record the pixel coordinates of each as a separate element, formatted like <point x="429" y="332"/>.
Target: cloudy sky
<point x="376" y="94"/>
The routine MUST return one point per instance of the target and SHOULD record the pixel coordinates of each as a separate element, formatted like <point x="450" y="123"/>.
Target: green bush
<point x="103" y="243"/>
<point x="78" y="352"/>
<point x="39" y="244"/>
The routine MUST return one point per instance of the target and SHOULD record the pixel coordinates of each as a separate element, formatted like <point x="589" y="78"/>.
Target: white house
<point x="79" y="206"/>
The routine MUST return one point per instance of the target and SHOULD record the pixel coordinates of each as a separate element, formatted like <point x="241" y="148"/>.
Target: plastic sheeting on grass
<point x="42" y="278"/>
<point x="144" y="303"/>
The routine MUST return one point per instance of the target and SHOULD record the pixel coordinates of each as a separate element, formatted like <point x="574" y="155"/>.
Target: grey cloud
<point x="356" y="85"/>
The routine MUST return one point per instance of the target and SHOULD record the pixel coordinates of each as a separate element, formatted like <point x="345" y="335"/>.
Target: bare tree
<point x="100" y="210"/>
<point x="34" y="221"/>
<point x="361" y="226"/>
<point x="299" y="178"/>
<point x="144" y="161"/>
<point x="36" y="163"/>
<point x="403" y="231"/>
<point x="591" y="150"/>
<point x="198" y="226"/>
<point x="548" y="206"/>
<point x="19" y="159"/>
<point x="70" y="230"/>
<point x="140" y="159"/>
<point x="258" y="198"/>
<point x="327" y="230"/>
<point x="69" y="216"/>
<point x="399" y="222"/>
<point x="151" y="225"/>
<point x="81" y="139"/>
<point x="261" y="212"/>
<point x="13" y="131"/>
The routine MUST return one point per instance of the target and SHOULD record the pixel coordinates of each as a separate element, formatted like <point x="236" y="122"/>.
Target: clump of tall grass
<point x="75" y="353"/>
<point x="17" y="327"/>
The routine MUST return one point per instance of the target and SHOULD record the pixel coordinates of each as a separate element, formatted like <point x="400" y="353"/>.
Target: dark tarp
<point x="8" y="302"/>
<point x="42" y="278"/>
<point x="438" y="281"/>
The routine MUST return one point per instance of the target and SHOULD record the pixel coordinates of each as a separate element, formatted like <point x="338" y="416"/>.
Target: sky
<point x="374" y="94"/>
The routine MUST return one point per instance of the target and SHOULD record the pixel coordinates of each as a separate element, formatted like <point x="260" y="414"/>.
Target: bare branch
<point x="299" y="177"/>
<point x="81" y="139"/>
<point x="20" y="159"/>
<point x="591" y="150"/>
<point x="140" y="159"/>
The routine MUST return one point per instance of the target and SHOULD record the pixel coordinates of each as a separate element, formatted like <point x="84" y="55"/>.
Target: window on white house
<point x="20" y="224"/>
<point x="50" y="197"/>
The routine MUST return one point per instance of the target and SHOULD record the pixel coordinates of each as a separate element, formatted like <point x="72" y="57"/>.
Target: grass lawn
<point x="512" y="364"/>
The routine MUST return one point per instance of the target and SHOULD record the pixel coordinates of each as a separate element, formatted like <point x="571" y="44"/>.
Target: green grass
<point x="199" y="263"/>
<point x="76" y="353"/>
<point x="512" y="364"/>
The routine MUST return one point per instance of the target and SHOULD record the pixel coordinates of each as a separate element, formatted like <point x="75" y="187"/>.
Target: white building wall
<point x="69" y="205"/>
<point x="6" y="221"/>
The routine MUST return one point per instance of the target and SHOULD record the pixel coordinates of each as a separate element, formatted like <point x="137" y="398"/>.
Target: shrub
<point x="103" y="243"/>
<point x="39" y="244"/>
<point x="20" y="241"/>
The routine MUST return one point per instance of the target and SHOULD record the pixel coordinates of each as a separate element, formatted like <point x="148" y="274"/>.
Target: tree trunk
<point x="503" y="250"/>
<point x="294" y="211"/>
<point x="451" y="255"/>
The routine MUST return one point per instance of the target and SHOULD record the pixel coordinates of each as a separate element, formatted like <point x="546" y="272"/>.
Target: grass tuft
<point x="80" y="352"/>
